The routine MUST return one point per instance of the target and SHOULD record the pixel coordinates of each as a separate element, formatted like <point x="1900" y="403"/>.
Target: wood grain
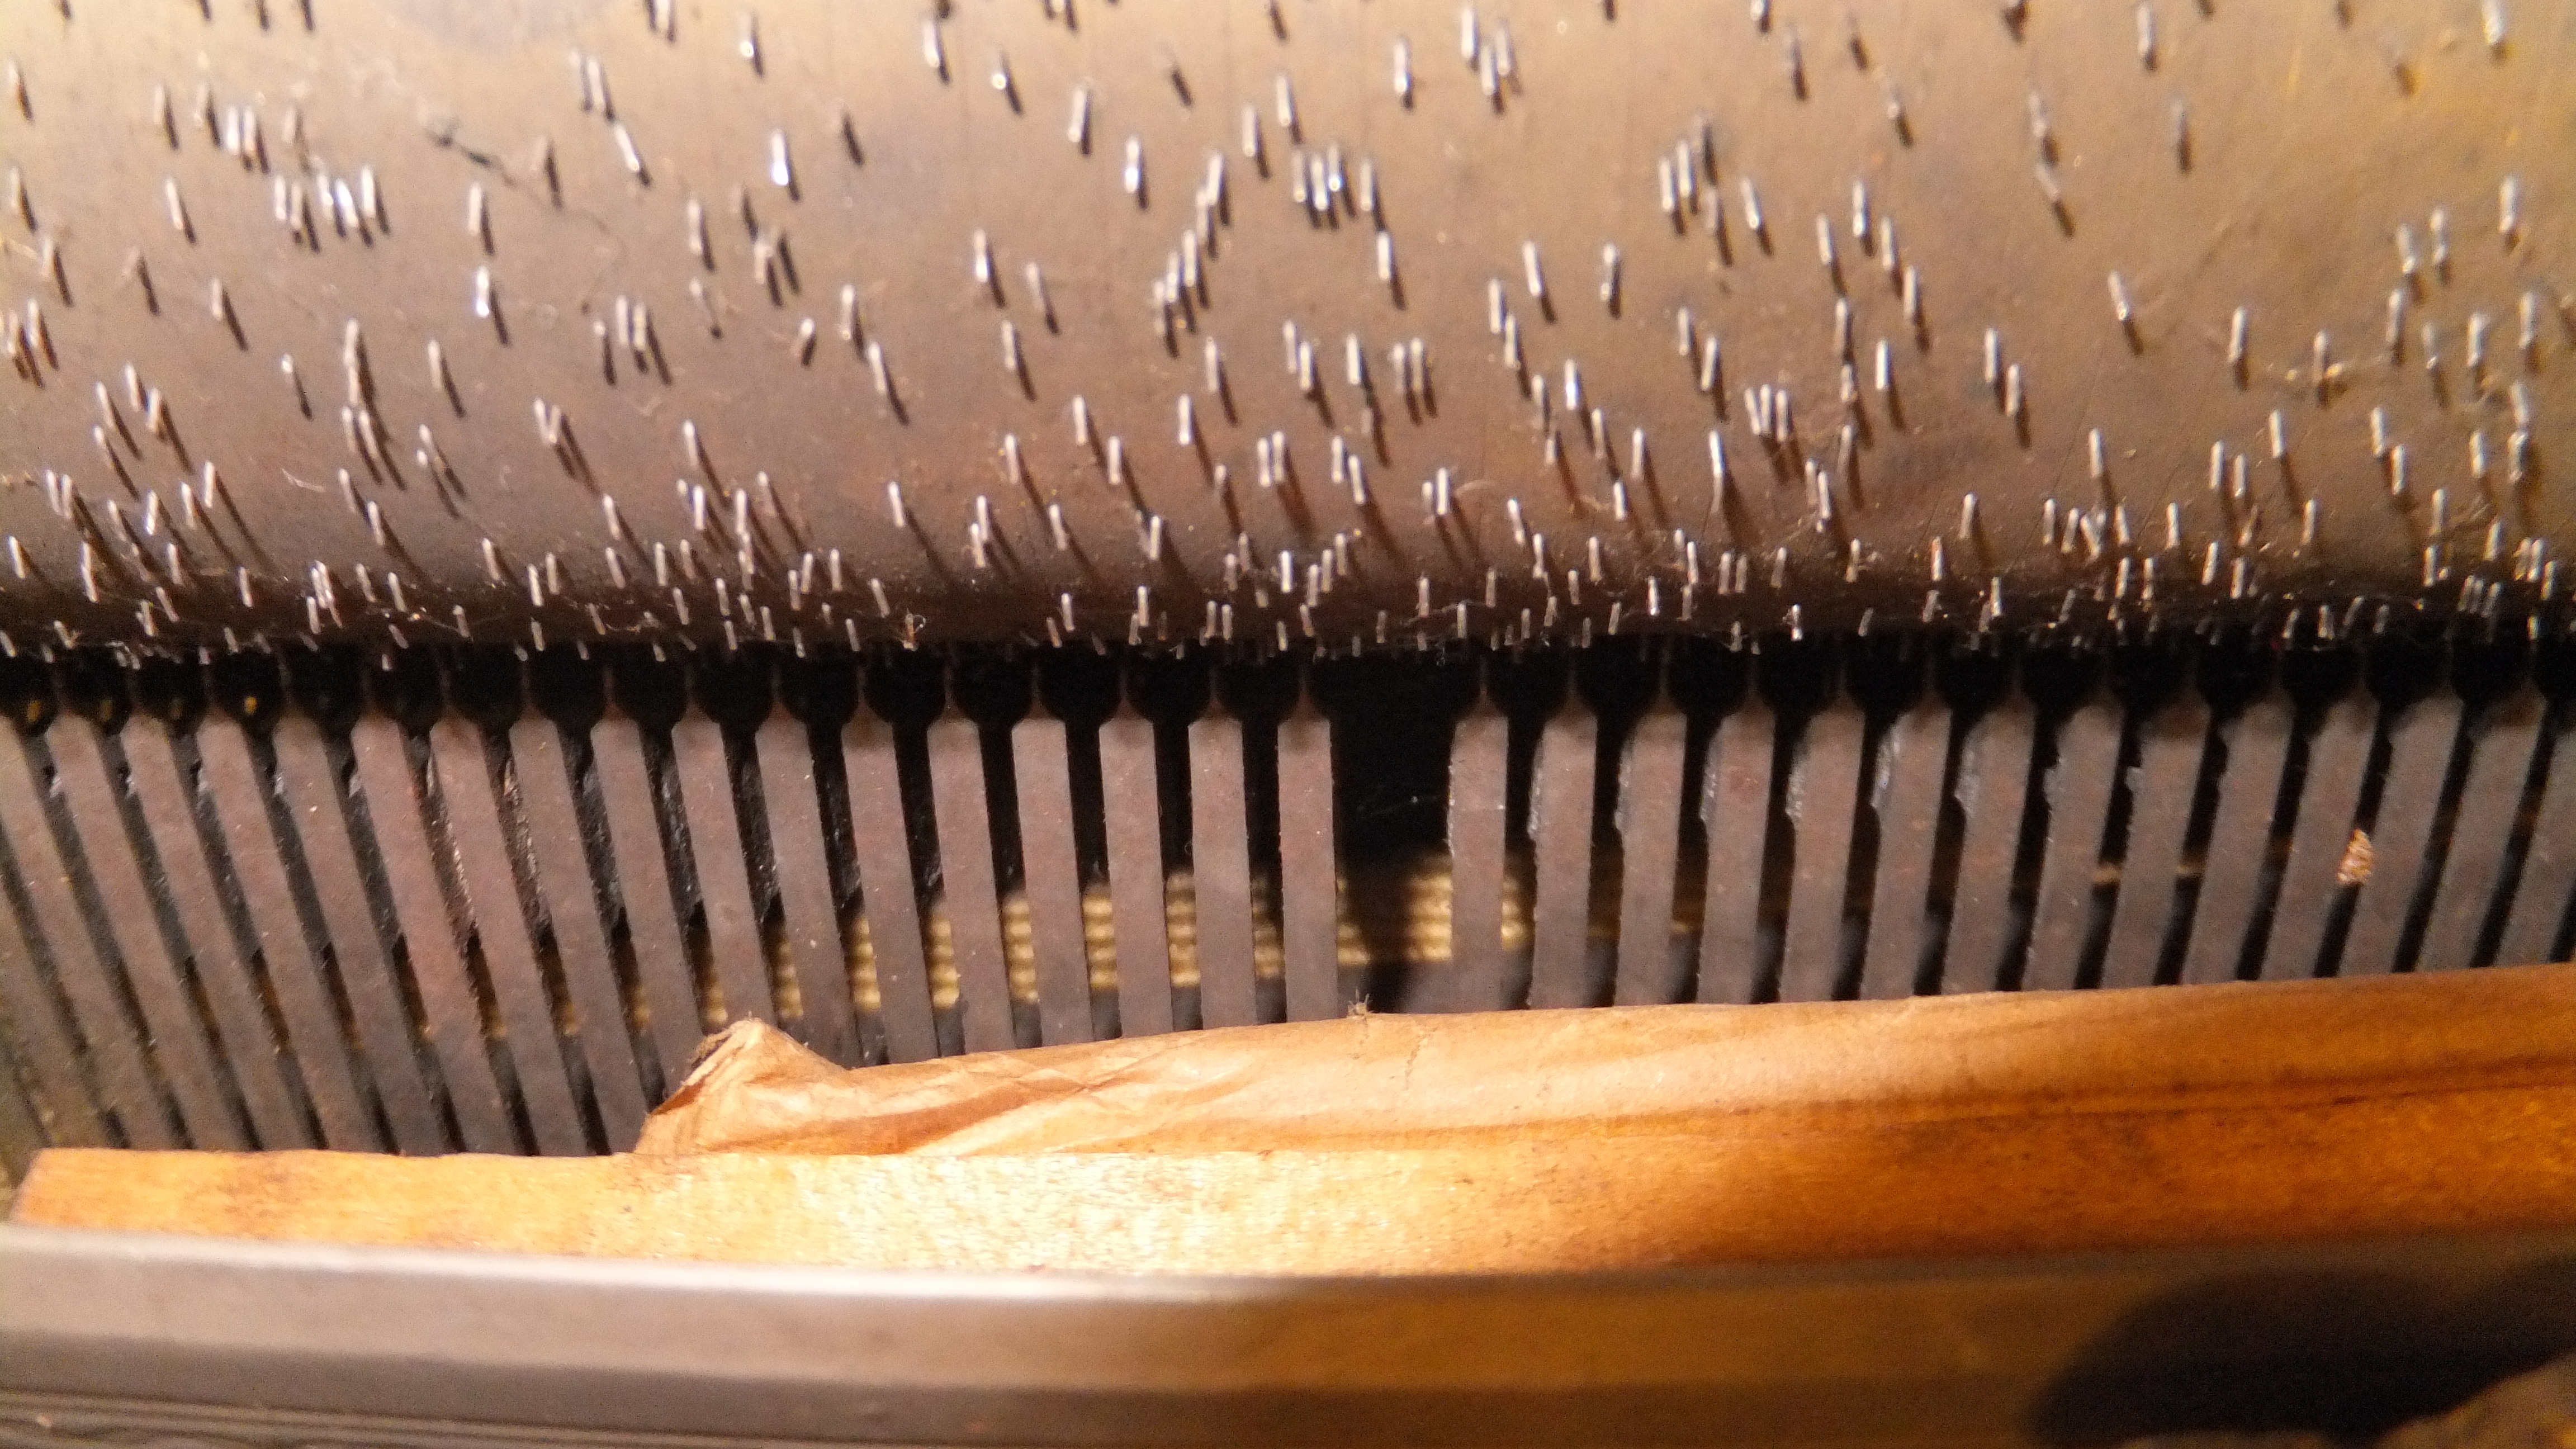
<point x="2328" y="1110"/>
<point x="1527" y="1076"/>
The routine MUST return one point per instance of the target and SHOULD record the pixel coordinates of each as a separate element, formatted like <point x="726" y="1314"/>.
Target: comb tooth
<point x="2161" y="791"/>
<point x="1479" y="772"/>
<point x="715" y="849"/>
<point x="1561" y="789"/>
<point x="178" y="1045"/>
<point x="571" y="899"/>
<point x="124" y="1080"/>
<point x="491" y="892"/>
<point x="22" y="1130"/>
<point x="310" y="786"/>
<point x="884" y="857"/>
<point x="644" y="889"/>
<point x="2501" y="740"/>
<point x="62" y="1099"/>
<point x="1042" y="765"/>
<point x="449" y="1007"/>
<point x="1824" y="784"/>
<point x="1994" y="783"/>
<point x="1650" y="810"/>
<point x="2338" y="755"/>
<point x="312" y="1025"/>
<point x="1912" y="756"/>
<point x="2257" y="746"/>
<point x="1309" y="905"/>
<point x="1736" y="807"/>
<point x="250" y="1049"/>
<point x="2079" y="801"/>
<point x="966" y="875"/>
<point x="2540" y="896"/>
<point x="1221" y="869"/>
<point x="793" y="807"/>
<point x="1131" y="797"/>
<point x="2420" y="742"/>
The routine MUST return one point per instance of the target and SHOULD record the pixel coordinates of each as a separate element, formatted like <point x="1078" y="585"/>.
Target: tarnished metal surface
<point x="115" y="1338"/>
<point x="1175" y="320"/>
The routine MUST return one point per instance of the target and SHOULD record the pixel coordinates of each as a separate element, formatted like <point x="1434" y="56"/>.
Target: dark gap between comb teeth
<point x="111" y="703"/>
<point x="115" y="874"/>
<point x="640" y="783"/>
<point x="2532" y="907"/>
<point x="2406" y="805"/>
<point x="1560" y="830"/>
<point x="2338" y="735"/>
<point x="1992" y="785"/>
<point x="194" y="830"/>
<point x="1909" y="763"/>
<point x="376" y="866"/>
<point x="841" y="849"/>
<point x="87" y="1086"/>
<point x="1395" y="725"/>
<point x="2191" y="852"/>
<point x="2500" y="734"/>
<point x="1860" y="878"/>
<point x="241" y="793"/>
<point x="1694" y="693"/>
<point x="310" y="781"/>
<point x="886" y="835"/>
<point x="1957" y="686"/>
<point x="1042" y="745"/>
<point x="22" y="1129"/>
<point x="488" y="688"/>
<point x="53" y="1055"/>
<point x="702" y="768"/>
<point x="2164" y="753"/>
<point x="301" y="905"/>
<point x="810" y="705"/>
<point x="2081" y="742"/>
<point x="1824" y="732"/>
<point x="1171" y="693"/>
<point x="2441" y="835"/>
<point x="890" y="756"/>
<point x="389" y="751"/>
<point x="992" y="689"/>
<point x="570" y="691"/>
<point x="471" y="805"/>
<point x="550" y="810"/>
<point x="1260" y="693"/>
<point x="309" y="744"/>
<point x="163" y="802"/>
<point x="733" y="689"/>
<point x="2240" y="864"/>
<point x="94" y="980"/>
<point x="2230" y="679"/>
<point x="422" y="765"/>
<point x="1085" y="708"/>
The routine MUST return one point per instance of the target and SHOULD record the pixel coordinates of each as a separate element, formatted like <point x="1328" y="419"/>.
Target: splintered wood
<point x="1517" y="1142"/>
